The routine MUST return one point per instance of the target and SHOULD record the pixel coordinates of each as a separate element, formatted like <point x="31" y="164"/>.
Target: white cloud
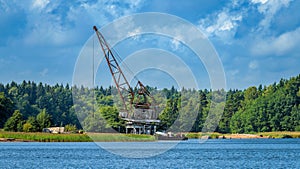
<point x="46" y="34"/>
<point x="135" y="33"/>
<point x="227" y="26"/>
<point x="3" y="6"/>
<point x="269" y="8"/>
<point x="65" y="26"/>
<point x="253" y="64"/>
<point x="175" y="44"/>
<point x="280" y="45"/>
<point x="114" y="8"/>
<point x="222" y="24"/>
<point x="39" y="4"/>
<point x="259" y="1"/>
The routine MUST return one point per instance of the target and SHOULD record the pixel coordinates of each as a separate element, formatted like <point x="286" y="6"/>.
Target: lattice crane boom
<point x="121" y="82"/>
<point x="118" y="76"/>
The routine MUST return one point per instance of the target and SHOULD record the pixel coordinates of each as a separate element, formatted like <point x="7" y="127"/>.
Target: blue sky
<point x="257" y="40"/>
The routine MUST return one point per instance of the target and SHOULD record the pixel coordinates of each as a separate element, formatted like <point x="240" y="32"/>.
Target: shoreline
<point x="115" y="137"/>
<point x="261" y="135"/>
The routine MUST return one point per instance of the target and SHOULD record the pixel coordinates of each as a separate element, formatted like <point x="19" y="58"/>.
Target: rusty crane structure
<point x="140" y="115"/>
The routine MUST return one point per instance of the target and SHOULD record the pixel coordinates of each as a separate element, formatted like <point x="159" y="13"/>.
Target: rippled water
<point x="252" y="153"/>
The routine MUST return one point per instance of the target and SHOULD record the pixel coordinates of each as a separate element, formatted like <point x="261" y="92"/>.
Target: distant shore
<point x="115" y="137"/>
<point x="263" y="135"/>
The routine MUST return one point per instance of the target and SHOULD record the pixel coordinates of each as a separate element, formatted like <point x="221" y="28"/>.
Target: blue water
<point x="252" y="153"/>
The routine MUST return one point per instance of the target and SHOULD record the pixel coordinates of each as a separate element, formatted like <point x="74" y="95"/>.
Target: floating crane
<point x="140" y="115"/>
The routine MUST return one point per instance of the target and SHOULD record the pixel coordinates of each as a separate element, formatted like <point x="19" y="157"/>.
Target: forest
<point x="30" y="107"/>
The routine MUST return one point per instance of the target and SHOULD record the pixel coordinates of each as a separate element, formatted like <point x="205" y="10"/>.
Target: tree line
<point x="30" y="107"/>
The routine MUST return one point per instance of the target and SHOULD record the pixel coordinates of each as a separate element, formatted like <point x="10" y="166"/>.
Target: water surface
<point x="243" y="153"/>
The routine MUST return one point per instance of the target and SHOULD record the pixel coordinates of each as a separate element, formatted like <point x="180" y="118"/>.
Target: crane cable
<point x="125" y="66"/>
<point x="93" y="78"/>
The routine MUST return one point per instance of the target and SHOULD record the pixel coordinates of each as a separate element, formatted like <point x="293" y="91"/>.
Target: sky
<point x="257" y="40"/>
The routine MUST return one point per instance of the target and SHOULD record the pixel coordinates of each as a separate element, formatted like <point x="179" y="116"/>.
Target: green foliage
<point x="214" y="136"/>
<point x="256" y="109"/>
<point x="193" y="135"/>
<point x="111" y="116"/>
<point x="169" y="114"/>
<point x="30" y="98"/>
<point x="199" y="135"/>
<point x="43" y="119"/>
<point x="31" y="125"/>
<point x="15" y="122"/>
<point x="70" y="128"/>
<point x="6" y="109"/>
<point x="27" y="127"/>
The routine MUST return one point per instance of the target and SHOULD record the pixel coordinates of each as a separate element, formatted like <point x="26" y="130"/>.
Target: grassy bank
<point x="45" y="137"/>
<point x="281" y="134"/>
<point x="200" y="135"/>
<point x="98" y="137"/>
<point x="111" y="137"/>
